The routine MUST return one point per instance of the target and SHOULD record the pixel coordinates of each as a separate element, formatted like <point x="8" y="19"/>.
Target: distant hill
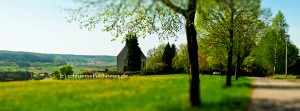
<point x="31" y="59"/>
<point x="10" y="56"/>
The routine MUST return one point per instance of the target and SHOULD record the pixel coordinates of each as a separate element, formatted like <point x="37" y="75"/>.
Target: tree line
<point x="160" y="60"/>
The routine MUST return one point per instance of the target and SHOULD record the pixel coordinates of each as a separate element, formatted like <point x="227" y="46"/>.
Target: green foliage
<point x="154" y="63"/>
<point x="120" y="17"/>
<point x="181" y="60"/>
<point x="56" y="75"/>
<point x="215" y="54"/>
<point x="155" y="54"/>
<point x="66" y="70"/>
<point x="271" y="49"/>
<point x="133" y="53"/>
<point x="159" y="92"/>
<point x="168" y="55"/>
<point x="228" y="30"/>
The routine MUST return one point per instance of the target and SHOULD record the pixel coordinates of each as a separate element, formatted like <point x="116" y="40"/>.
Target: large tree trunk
<point x="230" y="52"/>
<point x="229" y="64"/>
<point x="191" y="36"/>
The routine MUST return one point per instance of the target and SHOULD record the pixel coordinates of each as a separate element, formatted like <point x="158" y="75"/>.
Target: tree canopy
<point x="230" y="24"/>
<point x="271" y="50"/>
<point x="66" y="70"/>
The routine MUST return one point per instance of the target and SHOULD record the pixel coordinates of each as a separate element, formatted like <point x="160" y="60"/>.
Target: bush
<point x="156" y="68"/>
<point x="38" y="77"/>
<point x="62" y="71"/>
<point x="56" y="75"/>
<point x="88" y="72"/>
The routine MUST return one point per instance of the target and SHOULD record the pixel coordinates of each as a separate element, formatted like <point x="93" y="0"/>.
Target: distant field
<point x="137" y="93"/>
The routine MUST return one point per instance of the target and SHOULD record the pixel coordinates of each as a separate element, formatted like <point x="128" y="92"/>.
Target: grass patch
<point x="216" y="97"/>
<point x="282" y="76"/>
<point x="146" y="93"/>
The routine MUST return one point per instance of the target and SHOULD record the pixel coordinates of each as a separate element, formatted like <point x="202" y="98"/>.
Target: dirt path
<point x="274" y="95"/>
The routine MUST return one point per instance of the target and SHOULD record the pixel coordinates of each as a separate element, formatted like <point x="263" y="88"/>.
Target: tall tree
<point x="66" y="70"/>
<point x="180" y="60"/>
<point x="173" y="49"/>
<point x="222" y="21"/>
<point x="165" y="17"/>
<point x="168" y="55"/>
<point x="271" y="50"/>
<point x="215" y="54"/>
<point x="247" y="35"/>
<point x="133" y="53"/>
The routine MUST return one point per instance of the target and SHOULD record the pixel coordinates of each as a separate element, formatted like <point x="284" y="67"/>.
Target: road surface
<point x="274" y="95"/>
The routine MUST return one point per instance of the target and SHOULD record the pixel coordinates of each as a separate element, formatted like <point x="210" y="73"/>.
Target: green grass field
<point x="137" y="93"/>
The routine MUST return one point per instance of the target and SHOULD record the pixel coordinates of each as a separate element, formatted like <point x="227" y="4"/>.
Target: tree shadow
<point x="280" y="87"/>
<point x="274" y="105"/>
<point x="244" y="84"/>
<point x="226" y="104"/>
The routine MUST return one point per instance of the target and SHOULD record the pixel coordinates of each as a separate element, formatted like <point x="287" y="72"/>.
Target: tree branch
<point x="169" y="4"/>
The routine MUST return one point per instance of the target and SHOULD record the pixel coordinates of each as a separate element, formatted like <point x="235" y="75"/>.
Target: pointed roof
<point x="124" y="50"/>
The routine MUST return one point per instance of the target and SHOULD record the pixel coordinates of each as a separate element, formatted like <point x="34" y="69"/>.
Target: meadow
<point x="136" y="93"/>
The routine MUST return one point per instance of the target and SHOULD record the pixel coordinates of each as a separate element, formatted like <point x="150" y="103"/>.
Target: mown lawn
<point x="137" y="93"/>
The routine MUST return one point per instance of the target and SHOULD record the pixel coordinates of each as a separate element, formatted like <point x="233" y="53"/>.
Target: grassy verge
<point x="282" y="76"/>
<point x="146" y="93"/>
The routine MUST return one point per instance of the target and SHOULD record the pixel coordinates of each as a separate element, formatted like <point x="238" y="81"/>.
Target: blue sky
<point x="39" y="26"/>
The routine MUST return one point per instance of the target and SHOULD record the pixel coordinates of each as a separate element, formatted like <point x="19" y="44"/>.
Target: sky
<point x="40" y="26"/>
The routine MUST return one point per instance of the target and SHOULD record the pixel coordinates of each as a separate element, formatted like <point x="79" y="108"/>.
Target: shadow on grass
<point x="230" y="101"/>
<point x="227" y="104"/>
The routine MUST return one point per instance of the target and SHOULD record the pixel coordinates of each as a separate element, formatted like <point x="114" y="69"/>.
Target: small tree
<point x="133" y="53"/>
<point x="66" y="70"/>
<point x="56" y="75"/>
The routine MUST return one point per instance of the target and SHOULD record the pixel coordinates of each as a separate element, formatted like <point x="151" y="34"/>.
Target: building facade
<point x="121" y="60"/>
